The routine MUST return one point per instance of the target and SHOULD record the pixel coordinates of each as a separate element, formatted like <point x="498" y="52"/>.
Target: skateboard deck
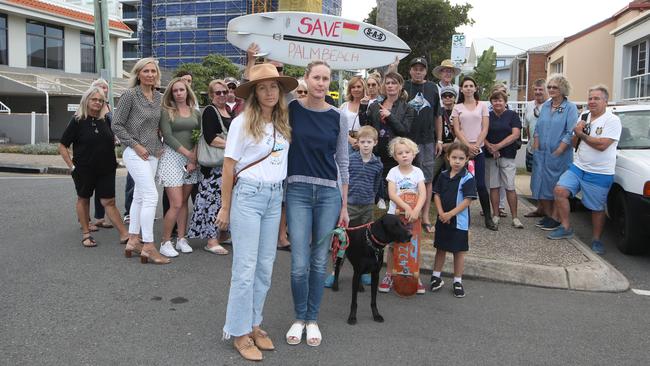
<point x="406" y="267"/>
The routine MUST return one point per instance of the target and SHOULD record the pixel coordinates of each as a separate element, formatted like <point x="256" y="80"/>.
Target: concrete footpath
<point x="522" y="256"/>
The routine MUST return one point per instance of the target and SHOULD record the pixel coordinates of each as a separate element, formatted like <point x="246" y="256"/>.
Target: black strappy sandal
<point x="92" y="244"/>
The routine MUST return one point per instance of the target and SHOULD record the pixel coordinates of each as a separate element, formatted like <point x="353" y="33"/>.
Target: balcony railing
<point x="636" y="87"/>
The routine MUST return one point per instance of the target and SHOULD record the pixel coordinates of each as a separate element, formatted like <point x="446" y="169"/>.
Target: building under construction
<point x="185" y="31"/>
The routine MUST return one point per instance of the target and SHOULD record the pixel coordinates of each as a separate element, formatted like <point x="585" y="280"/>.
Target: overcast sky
<point x="513" y="18"/>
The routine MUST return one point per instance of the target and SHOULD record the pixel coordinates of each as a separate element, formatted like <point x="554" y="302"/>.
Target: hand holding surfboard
<point x="297" y="38"/>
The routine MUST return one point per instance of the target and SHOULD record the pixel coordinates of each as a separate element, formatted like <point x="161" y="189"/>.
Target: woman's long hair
<point x="354" y="80"/>
<point x="168" y="102"/>
<point x="254" y="124"/>
<point x="82" y="111"/>
<point x="135" y="71"/>
<point x="461" y="97"/>
<point x="404" y="96"/>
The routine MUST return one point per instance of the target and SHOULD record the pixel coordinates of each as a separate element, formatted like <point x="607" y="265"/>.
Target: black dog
<point x="366" y="254"/>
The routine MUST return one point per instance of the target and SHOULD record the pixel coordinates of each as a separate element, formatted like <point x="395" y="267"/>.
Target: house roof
<point x="544" y="48"/>
<point x="632" y="23"/>
<point x="66" y="12"/>
<point x="633" y="5"/>
<point x="510" y="46"/>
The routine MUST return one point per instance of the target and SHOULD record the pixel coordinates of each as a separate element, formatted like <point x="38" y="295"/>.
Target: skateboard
<point x="406" y="268"/>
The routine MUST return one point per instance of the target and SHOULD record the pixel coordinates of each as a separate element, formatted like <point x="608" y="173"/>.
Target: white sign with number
<point x="458" y="49"/>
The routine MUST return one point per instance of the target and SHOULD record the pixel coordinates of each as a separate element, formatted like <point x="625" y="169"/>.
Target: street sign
<point x="73" y="107"/>
<point x="458" y="49"/>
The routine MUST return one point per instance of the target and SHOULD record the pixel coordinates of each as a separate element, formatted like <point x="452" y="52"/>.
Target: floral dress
<point x="206" y="207"/>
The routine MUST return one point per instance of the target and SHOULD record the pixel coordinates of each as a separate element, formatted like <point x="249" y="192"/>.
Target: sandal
<point x="262" y="340"/>
<point x="314" y="336"/>
<point x="427" y="227"/>
<point x="502" y="213"/>
<point x="217" y="249"/>
<point x="90" y="239"/>
<point x="92" y="227"/>
<point x="248" y="350"/>
<point x="534" y="214"/>
<point x="294" y="335"/>
<point x="103" y="224"/>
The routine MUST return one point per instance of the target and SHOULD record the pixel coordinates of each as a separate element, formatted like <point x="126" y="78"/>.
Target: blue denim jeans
<point x="312" y="213"/>
<point x="254" y="225"/>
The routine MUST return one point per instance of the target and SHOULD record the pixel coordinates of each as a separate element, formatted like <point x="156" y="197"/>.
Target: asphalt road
<point x="63" y="304"/>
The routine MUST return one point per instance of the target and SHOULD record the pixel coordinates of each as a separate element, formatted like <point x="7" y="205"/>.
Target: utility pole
<point x="387" y="19"/>
<point x="103" y="46"/>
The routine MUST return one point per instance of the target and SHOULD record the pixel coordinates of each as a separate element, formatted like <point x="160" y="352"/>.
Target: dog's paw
<point x="352" y="320"/>
<point x="378" y="318"/>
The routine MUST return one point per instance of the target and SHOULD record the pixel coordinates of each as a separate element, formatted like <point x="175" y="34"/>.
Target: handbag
<point x="234" y="178"/>
<point x="208" y="155"/>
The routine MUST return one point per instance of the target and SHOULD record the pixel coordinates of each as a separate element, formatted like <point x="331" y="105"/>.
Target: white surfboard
<point x="297" y="38"/>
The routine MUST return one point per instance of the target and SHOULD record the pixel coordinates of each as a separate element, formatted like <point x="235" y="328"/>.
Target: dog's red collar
<point x="374" y="239"/>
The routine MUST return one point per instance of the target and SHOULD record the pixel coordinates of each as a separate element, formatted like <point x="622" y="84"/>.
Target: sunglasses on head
<point x="221" y="92"/>
<point x="301" y="92"/>
<point x="448" y="96"/>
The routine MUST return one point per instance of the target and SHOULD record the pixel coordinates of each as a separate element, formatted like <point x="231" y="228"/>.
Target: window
<point x="4" y="54"/>
<point x="639" y="59"/>
<point x="44" y="45"/>
<point x="557" y="67"/>
<point x="501" y="63"/>
<point x="87" y="52"/>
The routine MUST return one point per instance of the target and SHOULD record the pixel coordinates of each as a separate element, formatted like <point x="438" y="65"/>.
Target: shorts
<point x="171" y="171"/>
<point x="425" y="160"/>
<point x="500" y="173"/>
<point x="360" y="214"/>
<point x="594" y="187"/>
<point x="87" y="181"/>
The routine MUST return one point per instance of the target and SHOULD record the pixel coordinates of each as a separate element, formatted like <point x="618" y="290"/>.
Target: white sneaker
<point x="495" y="219"/>
<point x="381" y="204"/>
<point x="183" y="245"/>
<point x="517" y="223"/>
<point x="167" y="249"/>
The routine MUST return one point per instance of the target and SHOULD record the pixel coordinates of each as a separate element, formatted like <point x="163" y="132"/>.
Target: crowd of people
<point x="270" y="164"/>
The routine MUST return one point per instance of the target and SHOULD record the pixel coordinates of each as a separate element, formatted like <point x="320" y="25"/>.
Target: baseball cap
<point x="419" y="60"/>
<point x="231" y="80"/>
<point x="448" y="90"/>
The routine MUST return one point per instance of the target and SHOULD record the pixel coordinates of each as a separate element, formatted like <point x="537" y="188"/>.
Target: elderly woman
<point x="215" y="123"/>
<point x="178" y="170"/>
<point x="500" y="166"/>
<point x="301" y="90"/>
<point x="256" y="153"/>
<point x="552" y="151"/>
<point x="355" y="91"/>
<point x="136" y="121"/>
<point x="93" y="162"/>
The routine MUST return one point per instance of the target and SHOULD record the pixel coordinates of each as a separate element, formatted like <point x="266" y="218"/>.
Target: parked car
<point x="628" y="203"/>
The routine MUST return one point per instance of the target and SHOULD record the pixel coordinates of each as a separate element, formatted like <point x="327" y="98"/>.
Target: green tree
<point x="220" y="66"/>
<point x="212" y="67"/>
<point x="294" y="71"/>
<point x="427" y="26"/>
<point x="485" y="72"/>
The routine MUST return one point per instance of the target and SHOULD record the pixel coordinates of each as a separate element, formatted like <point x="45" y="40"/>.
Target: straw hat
<point x="446" y="64"/>
<point x="265" y="72"/>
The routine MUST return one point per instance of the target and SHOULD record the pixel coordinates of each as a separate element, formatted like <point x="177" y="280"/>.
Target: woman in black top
<point x="93" y="162"/>
<point x="208" y="200"/>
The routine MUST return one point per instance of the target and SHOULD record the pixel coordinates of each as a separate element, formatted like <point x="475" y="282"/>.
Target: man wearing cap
<point x="448" y="95"/>
<point x="234" y="104"/>
<point x="426" y="129"/>
<point x="446" y="72"/>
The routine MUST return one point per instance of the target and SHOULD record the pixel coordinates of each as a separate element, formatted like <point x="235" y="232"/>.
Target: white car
<point x="628" y="203"/>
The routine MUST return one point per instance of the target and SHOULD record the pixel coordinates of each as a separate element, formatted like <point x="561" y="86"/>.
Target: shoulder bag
<point x="208" y="155"/>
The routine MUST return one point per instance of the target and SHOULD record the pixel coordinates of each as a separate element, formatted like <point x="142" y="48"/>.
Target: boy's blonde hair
<point x="402" y="141"/>
<point x="368" y="131"/>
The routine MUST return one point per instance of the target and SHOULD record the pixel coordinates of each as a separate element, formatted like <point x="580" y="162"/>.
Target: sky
<point x="512" y="18"/>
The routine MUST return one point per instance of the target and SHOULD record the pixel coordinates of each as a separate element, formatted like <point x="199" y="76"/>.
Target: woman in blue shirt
<point x="552" y="151"/>
<point x="315" y="203"/>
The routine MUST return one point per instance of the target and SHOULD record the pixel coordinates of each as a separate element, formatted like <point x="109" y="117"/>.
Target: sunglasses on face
<point x="232" y="86"/>
<point x="221" y="92"/>
<point x="301" y="92"/>
<point x="552" y="87"/>
<point x="448" y="96"/>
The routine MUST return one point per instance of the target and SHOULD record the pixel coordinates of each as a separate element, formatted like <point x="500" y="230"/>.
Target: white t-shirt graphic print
<point x="404" y="183"/>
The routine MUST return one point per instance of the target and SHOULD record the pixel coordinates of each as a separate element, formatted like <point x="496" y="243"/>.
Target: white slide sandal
<point x="314" y="336"/>
<point x="294" y="335"/>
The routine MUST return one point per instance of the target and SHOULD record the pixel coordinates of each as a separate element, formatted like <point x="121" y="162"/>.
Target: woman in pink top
<point x="471" y="120"/>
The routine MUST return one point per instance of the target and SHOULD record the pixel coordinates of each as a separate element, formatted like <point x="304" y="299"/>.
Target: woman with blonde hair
<point x="93" y="163"/>
<point x="215" y="122"/>
<point x="355" y="91"/>
<point x="256" y="153"/>
<point x="301" y="90"/>
<point x="177" y="169"/>
<point x="135" y="123"/>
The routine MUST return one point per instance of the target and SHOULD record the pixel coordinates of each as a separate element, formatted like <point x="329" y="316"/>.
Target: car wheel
<point x="630" y="242"/>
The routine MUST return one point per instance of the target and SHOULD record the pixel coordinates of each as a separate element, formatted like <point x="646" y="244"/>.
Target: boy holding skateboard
<point x="402" y="180"/>
<point x="453" y="193"/>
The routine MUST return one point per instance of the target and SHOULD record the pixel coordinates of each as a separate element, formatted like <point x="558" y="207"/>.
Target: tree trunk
<point x="387" y="19"/>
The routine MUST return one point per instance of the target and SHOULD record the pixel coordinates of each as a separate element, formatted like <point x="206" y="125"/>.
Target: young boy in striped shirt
<point x="365" y="176"/>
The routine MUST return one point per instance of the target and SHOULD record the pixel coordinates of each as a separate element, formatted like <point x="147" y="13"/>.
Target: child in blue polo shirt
<point x="365" y="176"/>
<point x="454" y="191"/>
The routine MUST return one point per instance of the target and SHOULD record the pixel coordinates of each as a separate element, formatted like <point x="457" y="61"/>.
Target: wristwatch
<point x="440" y="141"/>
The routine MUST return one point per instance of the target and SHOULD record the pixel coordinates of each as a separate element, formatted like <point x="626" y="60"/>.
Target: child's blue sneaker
<point x="329" y="281"/>
<point x="598" y="247"/>
<point x="365" y="279"/>
<point x="560" y="233"/>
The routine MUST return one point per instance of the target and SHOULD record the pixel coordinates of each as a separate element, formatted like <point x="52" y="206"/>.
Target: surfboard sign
<point x="297" y="38"/>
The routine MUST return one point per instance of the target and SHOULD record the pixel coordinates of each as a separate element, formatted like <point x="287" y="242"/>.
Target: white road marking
<point x="641" y="292"/>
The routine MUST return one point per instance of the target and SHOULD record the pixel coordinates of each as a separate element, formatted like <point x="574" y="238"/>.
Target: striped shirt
<point x="364" y="179"/>
<point x="136" y="120"/>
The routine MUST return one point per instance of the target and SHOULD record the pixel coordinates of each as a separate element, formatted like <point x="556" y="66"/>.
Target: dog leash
<point x="341" y="240"/>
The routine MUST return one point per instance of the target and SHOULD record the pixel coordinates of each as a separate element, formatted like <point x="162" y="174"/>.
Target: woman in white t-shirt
<point x="256" y="154"/>
<point x="356" y="90"/>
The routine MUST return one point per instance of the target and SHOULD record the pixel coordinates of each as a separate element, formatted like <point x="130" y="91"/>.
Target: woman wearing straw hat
<point x="446" y="72"/>
<point x="256" y="153"/>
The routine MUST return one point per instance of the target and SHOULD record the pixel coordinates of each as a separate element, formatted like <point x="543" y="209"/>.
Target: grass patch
<point x="42" y="149"/>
